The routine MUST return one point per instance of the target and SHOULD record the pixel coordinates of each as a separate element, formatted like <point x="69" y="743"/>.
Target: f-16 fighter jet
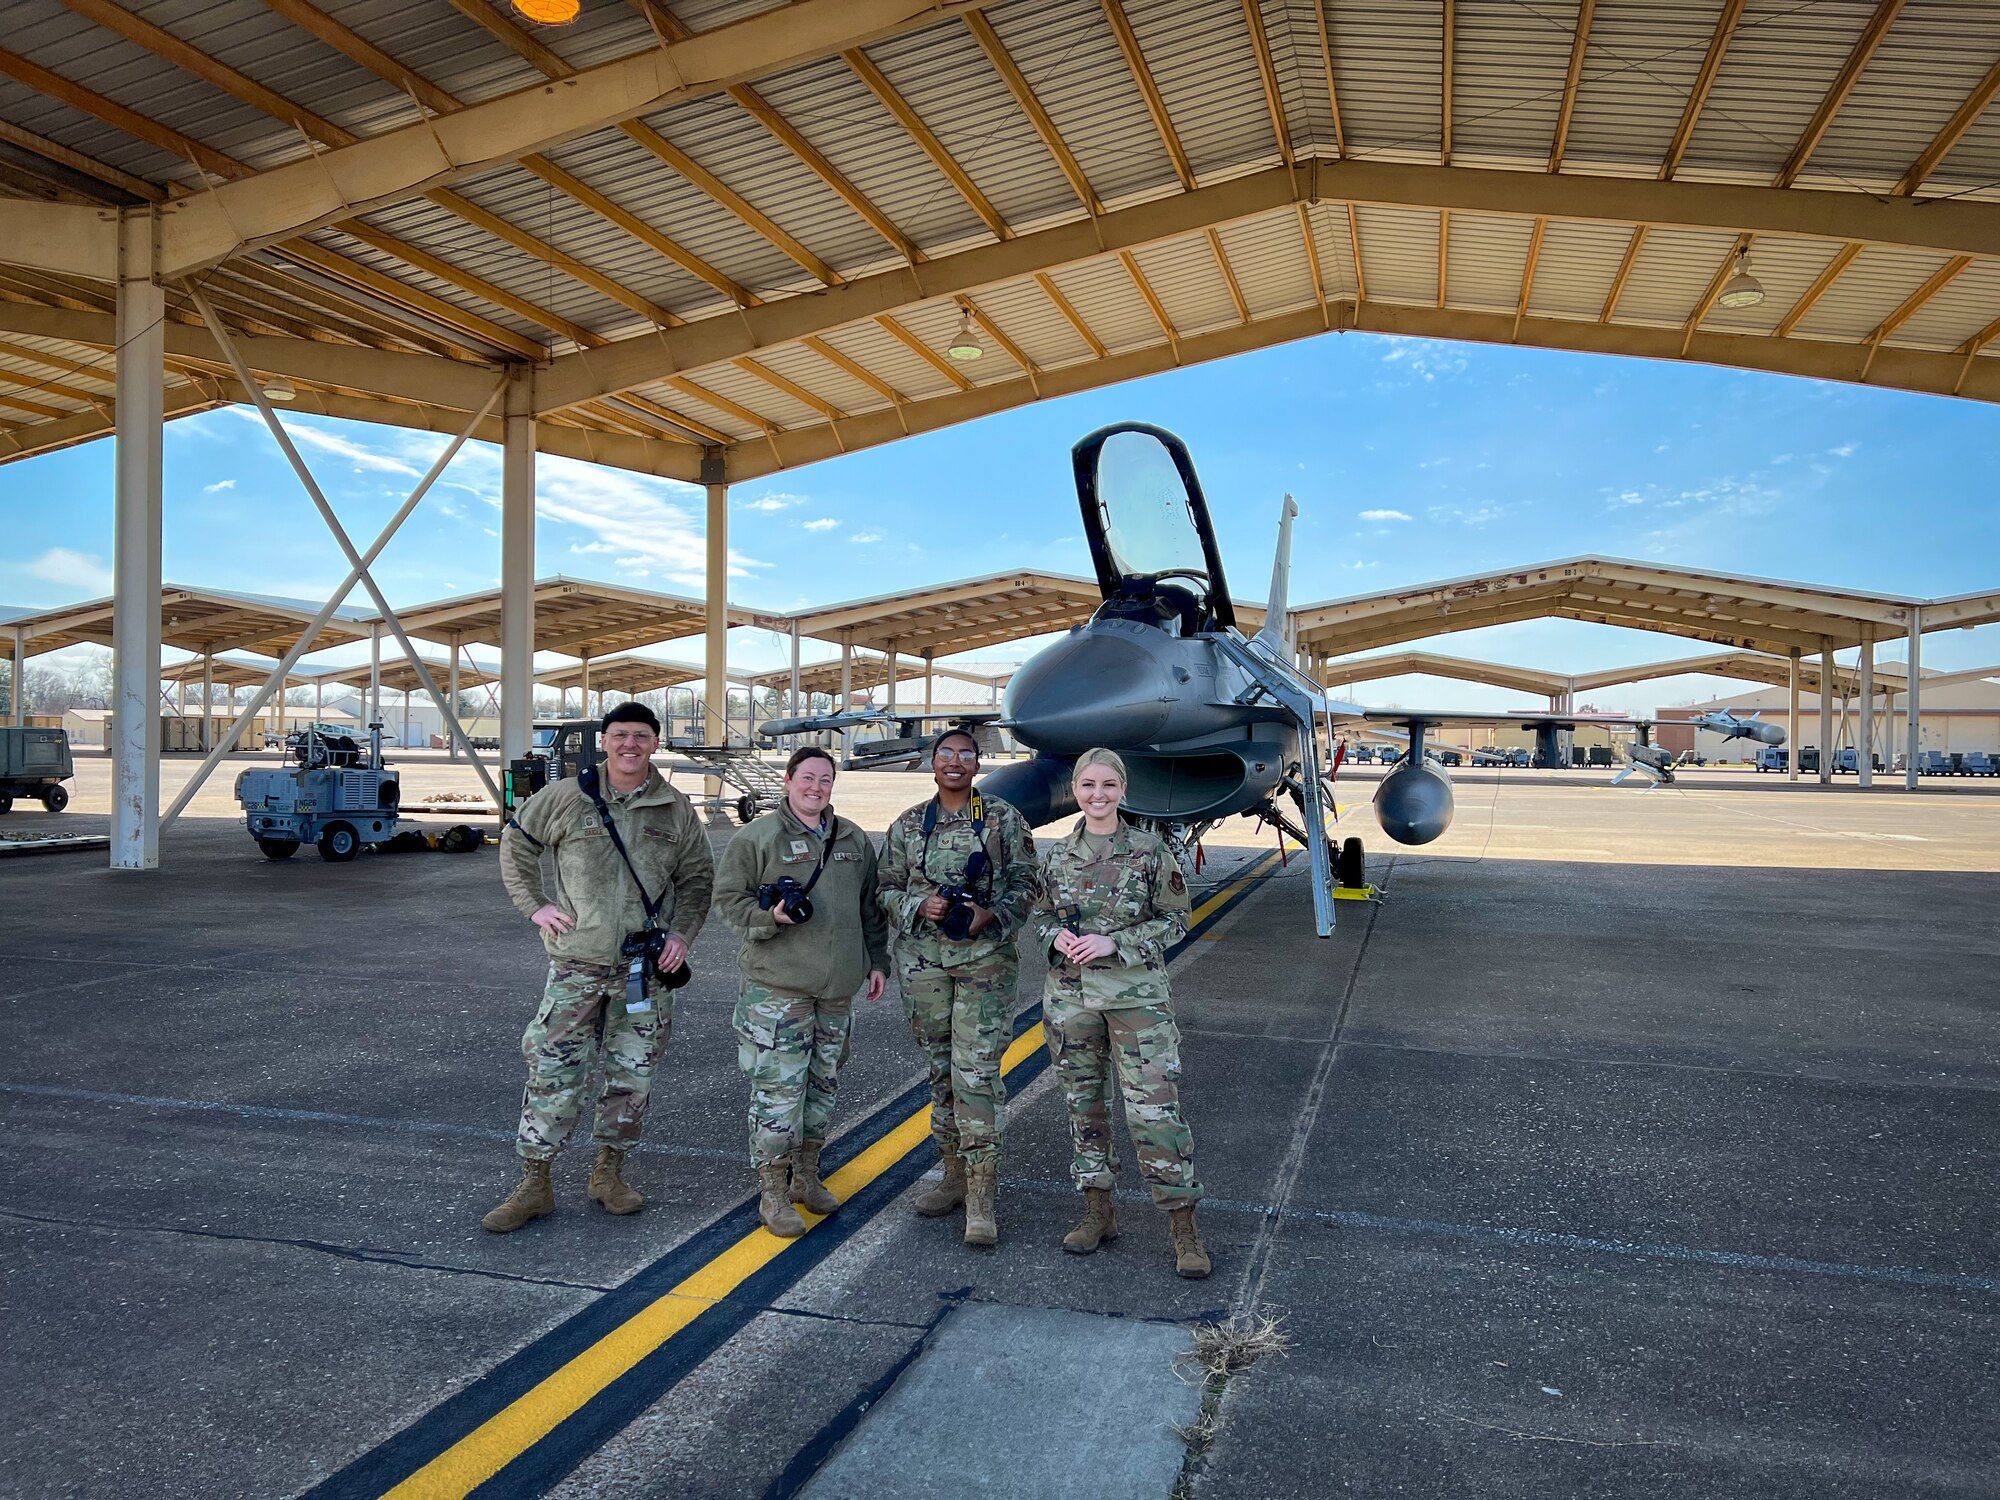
<point x="1725" y="723"/>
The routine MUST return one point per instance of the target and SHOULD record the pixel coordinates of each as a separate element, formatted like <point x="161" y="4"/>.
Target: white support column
<point x="517" y="568"/>
<point x="796" y="709"/>
<point x="846" y="672"/>
<point x="583" y="686"/>
<point x="18" y="704"/>
<point x="1913" y="710"/>
<point x="451" y="740"/>
<point x="207" y="699"/>
<point x="892" y="677"/>
<point x="319" y="699"/>
<point x="283" y="685"/>
<point x="715" y="672"/>
<point x="374" y="675"/>
<point x="1825" y="711"/>
<point x="1792" y="721"/>
<point x="930" y="680"/>
<point x="135" y="612"/>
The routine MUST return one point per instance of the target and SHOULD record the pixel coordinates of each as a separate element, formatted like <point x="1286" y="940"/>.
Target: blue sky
<point x="1411" y="460"/>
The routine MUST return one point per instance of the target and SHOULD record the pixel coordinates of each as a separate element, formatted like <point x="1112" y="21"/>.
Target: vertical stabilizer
<point x="1273" y="635"/>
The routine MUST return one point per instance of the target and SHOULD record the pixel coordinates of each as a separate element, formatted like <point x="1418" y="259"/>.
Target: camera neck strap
<point x="977" y="809"/>
<point x="588" y="780"/>
<point x="825" y="850"/>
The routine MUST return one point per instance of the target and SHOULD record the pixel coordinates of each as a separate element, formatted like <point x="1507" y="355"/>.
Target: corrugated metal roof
<point x="1509" y="67"/>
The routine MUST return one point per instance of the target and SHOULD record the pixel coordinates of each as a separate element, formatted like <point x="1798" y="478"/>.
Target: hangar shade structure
<point x="714" y="241"/>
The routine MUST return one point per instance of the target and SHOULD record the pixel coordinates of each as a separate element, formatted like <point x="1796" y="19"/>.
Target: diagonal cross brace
<point x="357" y="572"/>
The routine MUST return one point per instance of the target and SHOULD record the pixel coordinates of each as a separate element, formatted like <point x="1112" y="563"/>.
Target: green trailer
<point x="34" y="763"/>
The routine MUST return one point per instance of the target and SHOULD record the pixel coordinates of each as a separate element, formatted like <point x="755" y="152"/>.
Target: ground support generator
<point x="34" y="763"/>
<point x="338" y="796"/>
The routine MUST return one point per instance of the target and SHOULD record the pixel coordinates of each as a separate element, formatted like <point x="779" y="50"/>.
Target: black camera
<point x="787" y="896"/>
<point x="647" y="946"/>
<point x="956" y="923"/>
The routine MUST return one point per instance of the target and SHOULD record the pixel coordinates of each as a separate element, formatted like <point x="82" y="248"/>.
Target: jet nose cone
<point x="1099" y="687"/>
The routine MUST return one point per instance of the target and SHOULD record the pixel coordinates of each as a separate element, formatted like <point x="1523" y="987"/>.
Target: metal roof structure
<point x="1748" y="666"/>
<point x="867" y="671"/>
<point x="200" y="620"/>
<point x="230" y="672"/>
<point x="1751" y="614"/>
<point x="573" y="616"/>
<point x="398" y="676"/>
<point x="1430" y="664"/>
<point x="624" y="674"/>
<point x="947" y="618"/>
<point x="741" y="232"/>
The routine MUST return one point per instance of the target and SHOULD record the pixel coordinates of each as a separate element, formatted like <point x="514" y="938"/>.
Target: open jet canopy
<point x="1147" y="523"/>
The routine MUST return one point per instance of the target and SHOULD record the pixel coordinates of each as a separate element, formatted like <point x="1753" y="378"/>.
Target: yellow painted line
<point x="532" y="1416"/>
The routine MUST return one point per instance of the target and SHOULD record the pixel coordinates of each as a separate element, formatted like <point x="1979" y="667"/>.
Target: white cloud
<point x="218" y="487"/>
<point x="866" y="536"/>
<point x="1423" y="358"/>
<point x="775" y="501"/>
<point x="1384" y="515"/>
<point x="821" y="523"/>
<point x="382" y="460"/>
<point x="75" y="570"/>
<point x="1845" y="450"/>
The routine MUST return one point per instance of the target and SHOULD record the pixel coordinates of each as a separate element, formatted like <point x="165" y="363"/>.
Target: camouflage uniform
<point x="793" y="1017"/>
<point x="1117" y="1011"/>
<point x="583" y="1009"/>
<point x="959" y="996"/>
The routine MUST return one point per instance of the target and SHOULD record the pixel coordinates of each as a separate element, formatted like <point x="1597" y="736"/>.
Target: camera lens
<point x="799" y="908"/>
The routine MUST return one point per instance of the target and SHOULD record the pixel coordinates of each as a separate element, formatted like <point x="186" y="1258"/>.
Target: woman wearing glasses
<point x="958" y="880"/>
<point x="1113" y="900"/>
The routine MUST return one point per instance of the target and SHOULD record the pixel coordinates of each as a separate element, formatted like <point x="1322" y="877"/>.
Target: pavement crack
<point x="827" y="1317"/>
<point x="366" y="1254"/>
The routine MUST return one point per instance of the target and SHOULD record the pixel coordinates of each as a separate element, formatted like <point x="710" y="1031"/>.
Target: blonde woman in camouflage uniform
<point x="959" y="991"/>
<point x="799" y="978"/>
<point x="1113" y="900"/>
<point x="588" y="1007"/>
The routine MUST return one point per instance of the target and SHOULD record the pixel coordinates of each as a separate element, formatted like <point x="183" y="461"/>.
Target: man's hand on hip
<point x="553" y="919"/>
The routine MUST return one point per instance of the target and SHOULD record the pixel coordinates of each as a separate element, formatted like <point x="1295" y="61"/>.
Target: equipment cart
<point x="34" y="763"/>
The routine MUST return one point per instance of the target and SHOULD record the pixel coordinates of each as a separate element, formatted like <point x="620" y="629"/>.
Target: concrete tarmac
<point x="1632" y="1144"/>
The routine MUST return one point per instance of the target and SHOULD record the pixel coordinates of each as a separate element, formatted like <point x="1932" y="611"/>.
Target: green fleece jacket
<point x="832" y="954"/>
<point x="662" y="834"/>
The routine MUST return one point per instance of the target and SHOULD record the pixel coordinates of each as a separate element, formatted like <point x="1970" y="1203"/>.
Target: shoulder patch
<point x="1177" y="882"/>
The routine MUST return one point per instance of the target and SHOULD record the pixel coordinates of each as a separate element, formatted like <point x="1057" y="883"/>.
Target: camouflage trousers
<point x="791" y="1048"/>
<point x="1143" y="1046"/>
<point x="583" y="1014"/>
<point x="963" y="1019"/>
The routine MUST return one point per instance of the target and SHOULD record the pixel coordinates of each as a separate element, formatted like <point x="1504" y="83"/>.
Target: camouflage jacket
<point x="662" y="834"/>
<point x="1135" y="894"/>
<point x="914" y="868"/>
<point x="832" y="954"/>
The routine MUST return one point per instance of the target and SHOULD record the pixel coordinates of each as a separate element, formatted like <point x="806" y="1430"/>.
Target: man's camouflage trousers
<point x="791" y="1048"/>
<point x="582" y="1015"/>
<point x="1142" y="1045"/>
<point x="963" y="1019"/>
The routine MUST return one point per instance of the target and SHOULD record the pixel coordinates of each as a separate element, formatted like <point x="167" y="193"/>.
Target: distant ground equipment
<point x="34" y="763"/>
<point x="338" y="796"/>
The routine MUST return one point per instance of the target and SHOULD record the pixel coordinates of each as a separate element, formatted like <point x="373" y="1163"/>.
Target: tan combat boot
<point x="608" y="1188"/>
<point x="935" y="1202"/>
<point x="533" y="1198"/>
<point x="981" y="1227"/>
<point x="774" y="1207"/>
<point x="1190" y="1257"/>
<point x="1099" y="1224"/>
<point x="806" y="1186"/>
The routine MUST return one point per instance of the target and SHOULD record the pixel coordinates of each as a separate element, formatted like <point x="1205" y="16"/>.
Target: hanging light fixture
<point x="548" y="12"/>
<point x="965" y="345"/>
<point x="277" y="388"/>
<point x="1743" y="289"/>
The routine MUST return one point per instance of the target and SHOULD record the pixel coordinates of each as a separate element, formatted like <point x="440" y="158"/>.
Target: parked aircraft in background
<point x="1726" y="724"/>
<point x="905" y="740"/>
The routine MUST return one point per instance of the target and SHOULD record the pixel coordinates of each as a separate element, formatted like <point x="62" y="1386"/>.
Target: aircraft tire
<point x="1350" y="866"/>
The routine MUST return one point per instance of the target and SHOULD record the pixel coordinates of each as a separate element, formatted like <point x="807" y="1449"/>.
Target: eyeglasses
<point x="957" y="755"/>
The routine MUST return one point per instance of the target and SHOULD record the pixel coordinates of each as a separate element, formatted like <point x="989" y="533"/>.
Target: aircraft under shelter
<point x="714" y="241"/>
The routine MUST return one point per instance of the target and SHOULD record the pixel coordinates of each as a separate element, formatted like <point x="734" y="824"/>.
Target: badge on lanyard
<point x="800" y="848"/>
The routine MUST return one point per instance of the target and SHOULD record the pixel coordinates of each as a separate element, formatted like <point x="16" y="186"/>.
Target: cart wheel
<point x="55" y="797"/>
<point x="6" y="804"/>
<point x="278" y="848"/>
<point x="1350" y="867"/>
<point x="339" y="844"/>
<point x="746" y="808"/>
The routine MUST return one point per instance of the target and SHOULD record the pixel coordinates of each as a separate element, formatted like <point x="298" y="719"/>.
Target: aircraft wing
<point x="1347" y="713"/>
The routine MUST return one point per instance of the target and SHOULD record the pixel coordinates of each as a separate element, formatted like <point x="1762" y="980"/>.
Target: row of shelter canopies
<point x="1774" y="632"/>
